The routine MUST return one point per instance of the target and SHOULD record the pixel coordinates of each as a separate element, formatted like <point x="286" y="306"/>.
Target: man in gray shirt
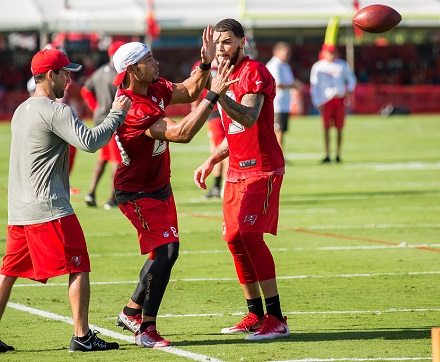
<point x="44" y="237"/>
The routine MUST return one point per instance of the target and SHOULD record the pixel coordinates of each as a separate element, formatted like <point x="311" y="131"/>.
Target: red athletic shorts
<point x="251" y="205"/>
<point x="154" y="220"/>
<point x="216" y="132"/>
<point x="110" y="152"/>
<point x="333" y="113"/>
<point x="46" y="250"/>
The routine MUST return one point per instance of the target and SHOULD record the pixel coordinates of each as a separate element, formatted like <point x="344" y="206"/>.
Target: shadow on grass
<point x="380" y="334"/>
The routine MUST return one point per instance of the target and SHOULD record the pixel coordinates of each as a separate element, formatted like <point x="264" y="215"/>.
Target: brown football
<point x="377" y="18"/>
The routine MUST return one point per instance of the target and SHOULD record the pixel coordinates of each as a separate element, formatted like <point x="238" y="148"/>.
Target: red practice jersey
<point x="145" y="161"/>
<point x="253" y="151"/>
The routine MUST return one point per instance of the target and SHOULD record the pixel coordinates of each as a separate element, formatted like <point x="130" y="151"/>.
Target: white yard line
<point x="286" y="277"/>
<point x="112" y="334"/>
<point x="357" y="359"/>
<point x="324" y="248"/>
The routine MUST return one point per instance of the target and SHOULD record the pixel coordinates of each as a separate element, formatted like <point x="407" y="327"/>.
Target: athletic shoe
<point x="326" y="160"/>
<point x="94" y="343"/>
<point x="90" y="200"/>
<point x="133" y="324"/>
<point x="5" y="348"/>
<point x="151" y="338"/>
<point x="338" y="159"/>
<point x="250" y="323"/>
<point x="214" y="193"/>
<point x="110" y="205"/>
<point x="270" y="329"/>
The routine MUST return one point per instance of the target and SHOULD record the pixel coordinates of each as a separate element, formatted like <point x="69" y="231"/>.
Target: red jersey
<point x="253" y="151"/>
<point x="145" y="161"/>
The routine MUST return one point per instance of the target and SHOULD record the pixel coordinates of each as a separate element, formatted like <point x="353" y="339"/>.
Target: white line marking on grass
<point x="356" y="359"/>
<point x="372" y="226"/>
<point x="398" y="166"/>
<point x="110" y="333"/>
<point x="324" y="248"/>
<point x="288" y="277"/>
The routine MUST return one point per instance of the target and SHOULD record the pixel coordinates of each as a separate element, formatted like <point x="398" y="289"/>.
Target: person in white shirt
<point x="331" y="81"/>
<point x="280" y="69"/>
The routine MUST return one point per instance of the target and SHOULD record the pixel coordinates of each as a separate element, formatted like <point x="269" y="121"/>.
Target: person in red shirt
<point x="142" y="182"/>
<point x="253" y="183"/>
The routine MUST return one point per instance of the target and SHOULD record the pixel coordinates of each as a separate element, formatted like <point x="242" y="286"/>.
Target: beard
<point x="234" y="56"/>
<point x="232" y="59"/>
<point x="59" y="93"/>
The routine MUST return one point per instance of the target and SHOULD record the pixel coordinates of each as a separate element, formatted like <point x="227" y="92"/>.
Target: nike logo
<point x="86" y="346"/>
<point x="258" y="82"/>
<point x="284" y="331"/>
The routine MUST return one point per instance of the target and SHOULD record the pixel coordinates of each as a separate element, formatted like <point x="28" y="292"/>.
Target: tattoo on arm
<point x="247" y="112"/>
<point x="221" y="152"/>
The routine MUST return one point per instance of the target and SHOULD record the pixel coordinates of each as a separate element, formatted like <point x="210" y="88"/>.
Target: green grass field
<point x="357" y="257"/>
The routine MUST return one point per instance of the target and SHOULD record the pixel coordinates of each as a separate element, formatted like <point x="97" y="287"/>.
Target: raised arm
<point x="189" y="90"/>
<point x="166" y="129"/>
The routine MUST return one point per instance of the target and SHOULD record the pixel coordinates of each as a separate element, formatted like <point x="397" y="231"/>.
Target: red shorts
<point x="154" y="220"/>
<point x="216" y="131"/>
<point x="110" y="152"/>
<point x="46" y="250"/>
<point x="251" y="205"/>
<point x="333" y="113"/>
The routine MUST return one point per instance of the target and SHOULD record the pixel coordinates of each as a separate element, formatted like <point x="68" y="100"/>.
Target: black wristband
<point x="212" y="97"/>
<point x="204" y="66"/>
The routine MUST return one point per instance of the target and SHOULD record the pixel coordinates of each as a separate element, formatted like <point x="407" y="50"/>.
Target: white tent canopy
<point x="128" y="16"/>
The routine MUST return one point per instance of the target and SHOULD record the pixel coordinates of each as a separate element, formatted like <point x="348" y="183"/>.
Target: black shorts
<point x="281" y="121"/>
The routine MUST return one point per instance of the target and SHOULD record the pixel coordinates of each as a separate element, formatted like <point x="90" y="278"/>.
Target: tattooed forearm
<point x="247" y="112"/>
<point x="221" y="152"/>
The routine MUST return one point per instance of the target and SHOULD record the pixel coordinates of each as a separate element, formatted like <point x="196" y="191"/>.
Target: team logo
<point x="76" y="260"/>
<point x="251" y="219"/>
<point x="166" y="234"/>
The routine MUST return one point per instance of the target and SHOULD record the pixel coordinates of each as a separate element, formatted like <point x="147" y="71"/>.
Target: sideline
<point x="112" y="334"/>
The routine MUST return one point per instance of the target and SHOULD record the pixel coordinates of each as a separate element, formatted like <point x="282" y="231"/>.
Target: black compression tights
<point x="154" y="278"/>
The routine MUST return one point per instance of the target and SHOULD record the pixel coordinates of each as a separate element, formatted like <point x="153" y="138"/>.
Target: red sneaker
<point x="250" y="323"/>
<point x="133" y="324"/>
<point x="270" y="329"/>
<point x="151" y="338"/>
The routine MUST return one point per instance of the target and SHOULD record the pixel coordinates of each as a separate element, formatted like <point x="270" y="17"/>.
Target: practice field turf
<point x="357" y="257"/>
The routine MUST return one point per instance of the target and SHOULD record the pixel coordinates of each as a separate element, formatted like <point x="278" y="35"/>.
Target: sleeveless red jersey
<point x="145" y="161"/>
<point x="253" y="151"/>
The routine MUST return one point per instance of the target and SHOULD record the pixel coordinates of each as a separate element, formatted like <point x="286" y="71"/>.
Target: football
<point x="377" y="18"/>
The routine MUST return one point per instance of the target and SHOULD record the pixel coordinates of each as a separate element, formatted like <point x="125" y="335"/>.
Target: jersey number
<point x="233" y="127"/>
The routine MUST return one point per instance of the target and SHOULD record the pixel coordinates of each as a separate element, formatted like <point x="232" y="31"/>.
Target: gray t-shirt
<point x="101" y="84"/>
<point x="42" y="129"/>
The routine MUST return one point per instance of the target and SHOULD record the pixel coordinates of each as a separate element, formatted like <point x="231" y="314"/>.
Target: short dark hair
<point x="230" y="25"/>
<point x="39" y="78"/>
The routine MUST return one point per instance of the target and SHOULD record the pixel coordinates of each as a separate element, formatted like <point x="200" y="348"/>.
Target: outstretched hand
<point x="220" y="83"/>
<point x="208" y="49"/>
